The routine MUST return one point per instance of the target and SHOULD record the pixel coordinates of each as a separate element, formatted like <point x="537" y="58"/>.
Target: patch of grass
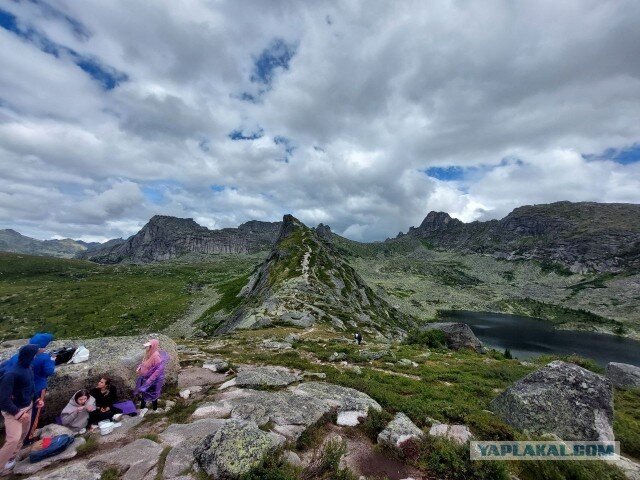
<point x="566" y="470"/>
<point x="152" y="436"/>
<point x="326" y="464"/>
<point x="161" y="462"/>
<point x="272" y="467"/>
<point x="181" y="411"/>
<point x="585" y="363"/>
<point x="91" y="445"/>
<point x="74" y="298"/>
<point x="375" y="422"/>
<point x="313" y="435"/>
<point x="548" y="266"/>
<point x="110" y="474"/>
<point x="626" y="425"/>
<point x="451" y="461"/>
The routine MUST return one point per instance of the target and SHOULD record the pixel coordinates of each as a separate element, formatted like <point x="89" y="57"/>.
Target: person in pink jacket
<point x="151" y="374"/>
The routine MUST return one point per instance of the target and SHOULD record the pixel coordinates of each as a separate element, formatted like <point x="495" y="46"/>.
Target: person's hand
<point x="90" y="409"/>
<point x="104" y="409"/>
<point x="80" y="408"/>
<point x="40" y="403"/>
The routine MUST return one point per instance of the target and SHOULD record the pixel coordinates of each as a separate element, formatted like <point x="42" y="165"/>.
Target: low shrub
<point x="427" y="338"/>
<point x="375" y="422"/>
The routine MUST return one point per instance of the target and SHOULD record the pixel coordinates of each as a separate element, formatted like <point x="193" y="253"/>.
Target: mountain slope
<point x="305" y="280"/>
<point x="12" y="241"/>
<point x="163" y="238"/>
<point x="585" y="236"/>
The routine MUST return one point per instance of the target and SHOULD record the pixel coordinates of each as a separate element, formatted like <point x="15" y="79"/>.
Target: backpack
<point x="58" y="444"/>
<point x="64" y="354"/>
<point x="80" y="355"/>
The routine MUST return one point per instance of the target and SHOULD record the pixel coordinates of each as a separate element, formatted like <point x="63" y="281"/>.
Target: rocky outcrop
<point x="561" y="399"/>
<point x="585" y="236"/>
<point x="116" y="357"/>
<point x="134" y="461"/>
<point x="261" y="377"/>
<point x="458" y="335"/>
<point x="398" y="431"/>
<point x="163" y="238"/>
<point x="623" y="375"/>
<point x="459" y="434"/>
<point x="305" y="280"/>
<point x="234" y="449"/>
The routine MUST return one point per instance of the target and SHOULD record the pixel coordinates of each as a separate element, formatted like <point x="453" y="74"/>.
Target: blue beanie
<point x="41" y="339"/>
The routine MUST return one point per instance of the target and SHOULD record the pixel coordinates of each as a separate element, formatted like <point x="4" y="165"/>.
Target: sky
<point x="363" y="115"/>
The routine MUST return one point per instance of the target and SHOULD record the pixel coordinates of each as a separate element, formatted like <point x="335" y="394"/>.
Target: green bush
<point x="450" y="461"/>
<point x="567" y="470"/>
<point x="427" y="338"/>
<point x="375" y="422"/>
<point x="326" y="466"/>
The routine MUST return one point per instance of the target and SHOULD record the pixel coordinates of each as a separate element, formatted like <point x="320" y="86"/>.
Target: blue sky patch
<point x="107" y="76"/>
<point x="276" y="56"/>
<point x="623" y="156"/>
<point x="217" y="188"/>
<point x="446" y="173"/>
<point x="238" y="134"/>
<point x="286" y="143"/>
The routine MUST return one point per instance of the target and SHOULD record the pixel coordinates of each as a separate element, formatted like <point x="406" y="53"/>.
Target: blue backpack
<point x="58" y="445"/>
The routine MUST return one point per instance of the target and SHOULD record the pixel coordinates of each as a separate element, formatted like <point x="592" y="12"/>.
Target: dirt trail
<point x="185" y="326"/>
<point x="305" y="265"/>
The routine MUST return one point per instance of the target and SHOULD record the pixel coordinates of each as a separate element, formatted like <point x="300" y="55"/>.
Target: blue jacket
<point x="16" y="384"/>
<point x="43" y="367"/>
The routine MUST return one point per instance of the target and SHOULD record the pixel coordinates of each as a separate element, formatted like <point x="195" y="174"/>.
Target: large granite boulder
<point x="73" y="471"/>
<point x="116" y="357"/>
<point x="398" y="431"/>
<point x="561" y="399"/>
<point x="134" y="461"/>
<point x="458" y="335"/>
<point x="623" y="375"/>
<point x="234" y="449"/>
<point x="262" y="377"/>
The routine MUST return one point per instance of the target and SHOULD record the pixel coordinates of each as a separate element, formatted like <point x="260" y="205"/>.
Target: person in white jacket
<point x="76" y="414"/>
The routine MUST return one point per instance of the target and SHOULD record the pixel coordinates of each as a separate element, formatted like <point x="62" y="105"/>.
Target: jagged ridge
<point x="305" y="280"/>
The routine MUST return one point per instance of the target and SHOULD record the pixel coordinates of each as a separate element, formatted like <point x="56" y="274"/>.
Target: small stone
<point x="350" y="418"/>
<point x="398" y="431"/>
<point x="337" y="356"/>
<point x="185" y="393"/>
<point x="457" y="433"/>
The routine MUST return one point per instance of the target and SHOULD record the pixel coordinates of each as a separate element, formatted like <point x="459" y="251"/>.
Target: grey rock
<point x="459" y="434"/>
<point x="267" y="376"/>
<point x="196" y="376"/>
<point x="371" y="355"/>
<point x="561" y="399"/>
<point x="24" y="467"/>
<point x="458" y="335"/>
<point x="122" y="432"/>
<point x="337" y="396"/>
<point x="337" y="356"/>
<point x="234" y="449"/>
<point x="216" y="365"/>
<point x="74" y="471"/>
<point x="184" y="438"/>
<point x="116" y="357"/>
<point x="398" y="431"/>
<point x="134" y="461"/>
<point x="623" y="375"/>
<point x="273" y="345"/>
<point x="292" y="337"/>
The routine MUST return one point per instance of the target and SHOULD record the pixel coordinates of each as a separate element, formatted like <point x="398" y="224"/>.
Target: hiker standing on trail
<point x="151" y="375"/>
<point x="358" y="337"/>
<point x="16" y="403"/>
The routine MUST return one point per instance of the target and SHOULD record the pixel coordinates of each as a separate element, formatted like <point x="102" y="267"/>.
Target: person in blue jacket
<point x="16" y="403"/>
<point x="43" y="366"/>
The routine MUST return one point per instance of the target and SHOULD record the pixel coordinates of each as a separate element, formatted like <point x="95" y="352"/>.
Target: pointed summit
<point x="305" y="281"/>
<point x="437" y="221"/>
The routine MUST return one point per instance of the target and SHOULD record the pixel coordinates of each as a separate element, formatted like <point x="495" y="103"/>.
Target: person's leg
<point x="155" y="404"/>
<point x="143" y="404"/>
<point x="16" y="431"/>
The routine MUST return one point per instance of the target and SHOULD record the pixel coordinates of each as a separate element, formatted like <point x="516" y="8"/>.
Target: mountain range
<point x="580" y="237"/>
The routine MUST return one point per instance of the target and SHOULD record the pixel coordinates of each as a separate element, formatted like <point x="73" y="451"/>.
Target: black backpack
<point x="64" y="354"/>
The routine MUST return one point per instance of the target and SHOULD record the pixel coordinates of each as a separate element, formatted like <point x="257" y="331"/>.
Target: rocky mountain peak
<point x="305" y="280"/>
<point x="437" y="221"/>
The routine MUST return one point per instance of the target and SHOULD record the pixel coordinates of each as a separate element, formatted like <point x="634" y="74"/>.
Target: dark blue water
<point x="529" y="337"/>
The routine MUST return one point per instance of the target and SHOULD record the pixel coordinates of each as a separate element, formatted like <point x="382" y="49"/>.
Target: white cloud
<point x="370" y="100"/>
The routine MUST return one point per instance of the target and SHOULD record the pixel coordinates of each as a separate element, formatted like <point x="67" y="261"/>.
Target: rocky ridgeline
<point x="305" y="280"/>
<point x="164" y="238"/>
<point x="12" y="241"/>
<point x="585" y="236"/>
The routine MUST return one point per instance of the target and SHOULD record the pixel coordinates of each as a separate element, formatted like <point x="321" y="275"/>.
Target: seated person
<point x="105" y="395"/>
<point x="76" y="414"/>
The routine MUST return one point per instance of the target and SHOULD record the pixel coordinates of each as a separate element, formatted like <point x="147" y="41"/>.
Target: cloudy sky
<point x="361" y="115"/>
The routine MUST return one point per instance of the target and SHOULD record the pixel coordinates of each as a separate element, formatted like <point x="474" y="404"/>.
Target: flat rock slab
<point x="121" y="432"/>
<point x="267" y="376"/>
<point x="179" y="432"/>
<point x="196" y="376"/>
<point x="134" y="460"/>
<point x="398" y="431"/>
<point x="75" y="471"/>
<point x="562" y="399"/>
<point x="216" y="364"/>
<point x="623" y="375"/>
<point x="25" y="467"/>
<point x="234" y="449"/>
<point x="336" y="396"/>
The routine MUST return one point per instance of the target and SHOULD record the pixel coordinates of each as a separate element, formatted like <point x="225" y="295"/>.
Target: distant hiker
<point x="76" y="414"/>
<point x="358" y="337"/>
<point x="43" y="366"/>
<point x="16" y="403"/>
<point x="105" y="396"/>
<point x="151" y="375"/>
